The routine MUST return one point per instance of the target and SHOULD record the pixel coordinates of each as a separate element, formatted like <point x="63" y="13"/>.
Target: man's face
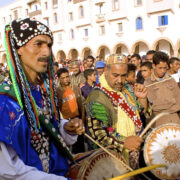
<point x="100" y="71"/>
<point x="125" y="59"/>
<point x="135" y="61"/>
<point x="69" y="64"/>
<point x="160" y="69"/>
<point x="116" y="76"/>
<point x="64" y="79"/>
<point x="35" y="55"/>
<point x="89" y="63"/>
<point x="149" y="57"/>
<point x="93" y="76"/>
<point x="75" y="69"/>
<point x="131" y="77"/>
<point x="175" y="66"/>
<point x="146" y="72"/>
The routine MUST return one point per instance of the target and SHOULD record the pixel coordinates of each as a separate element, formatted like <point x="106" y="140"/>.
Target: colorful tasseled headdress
<point x="17" y="34"/>
<point x="114" y="59"/>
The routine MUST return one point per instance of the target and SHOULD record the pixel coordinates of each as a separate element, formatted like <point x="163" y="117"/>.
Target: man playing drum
<point x="113" y="117"/>
<point x="31" y="138"/>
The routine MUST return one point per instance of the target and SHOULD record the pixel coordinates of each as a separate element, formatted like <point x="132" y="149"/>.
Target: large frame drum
<point x="162" y="146"/>
<point x="97" y="166"/>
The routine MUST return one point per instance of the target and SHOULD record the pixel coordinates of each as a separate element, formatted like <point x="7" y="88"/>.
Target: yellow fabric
<point x="125" y="126"/>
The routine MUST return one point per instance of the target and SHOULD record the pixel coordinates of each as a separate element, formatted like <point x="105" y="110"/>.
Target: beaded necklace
<point x="117" y="100"/>
<point x="39" y="140"/>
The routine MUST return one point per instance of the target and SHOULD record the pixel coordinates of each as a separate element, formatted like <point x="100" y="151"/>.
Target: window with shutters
<point x="138" y="2"/>
<point x="70" y="16"/>
<point x="115" y="4"/>
<point x="46" y="5"/>
<point x="59" y="37"/>
<point x="86" y="32"/>
<point x="163" y="20"/>
<point x="81" y="12"/>
<point x="120" y="27"/>
<point x="139" y="24"/>
<point x="102" y="30"/>
<point x="55" y="18"/>
<point x="71" y="34"/>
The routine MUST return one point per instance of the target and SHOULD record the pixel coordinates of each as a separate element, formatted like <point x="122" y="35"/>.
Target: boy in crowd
<point x="90" y="76"/>
<point x="165" y="95"/>
<point x="70" y="102"/>
<point x="100" y="65"/>
<point x="149" y="55"/>
<point x="174" y="65"/>
<point x="131" y="74"/>
<point x="146" y="69"/>
<point x="90" y="62"/>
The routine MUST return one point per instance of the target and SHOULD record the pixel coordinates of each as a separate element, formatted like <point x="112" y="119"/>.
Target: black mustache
<point x="118" y="83"/>
<point x="44" y="58"/>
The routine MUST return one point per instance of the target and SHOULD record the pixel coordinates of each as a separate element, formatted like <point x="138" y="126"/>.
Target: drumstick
<point x="138" y="171"/>
<point x="152" y="122"/>
<point x="159" y="82"/>
<point x="112" y="155"/>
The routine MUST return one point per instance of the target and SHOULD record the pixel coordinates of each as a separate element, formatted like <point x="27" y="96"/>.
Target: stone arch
<point x="140" y="47"/>
<point x="86" y="52"/>
<point x="73" y="54"/>
<point x="103" y="51"/>
<point x="177" y="49"/>
<point x="121" y="49"/>
<point x="60" y="55"/>
<point x="165" y="45"/>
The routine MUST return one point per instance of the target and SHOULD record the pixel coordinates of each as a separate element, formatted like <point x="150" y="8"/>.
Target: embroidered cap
<point x="24" y="30"/>
<point x="114" y="59"/>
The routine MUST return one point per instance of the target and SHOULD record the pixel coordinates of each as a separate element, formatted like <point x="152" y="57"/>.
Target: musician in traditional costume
<point x="33" y="139"/>
<point x="113" y="115"/>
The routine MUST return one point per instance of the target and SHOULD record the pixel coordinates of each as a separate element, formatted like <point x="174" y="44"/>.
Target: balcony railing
<point x="78" y="1"/>
<point x="98" y="2"/>
<point x="35" y="13"/>
<point x="29" y="2"/>
<point x="161" y="28"/>
<point x="100" y="18"/>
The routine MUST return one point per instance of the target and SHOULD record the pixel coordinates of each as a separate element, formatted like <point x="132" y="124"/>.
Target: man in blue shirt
<point x="33" y="138"/>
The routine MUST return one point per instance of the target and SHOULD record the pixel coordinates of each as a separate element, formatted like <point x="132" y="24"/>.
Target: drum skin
<point x="162" y="146"/>
<point x="97" y="166"/>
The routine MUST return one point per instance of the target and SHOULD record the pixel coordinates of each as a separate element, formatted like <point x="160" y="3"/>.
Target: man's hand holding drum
<point x="75" y="126"/>
<point x="132" y="143"/>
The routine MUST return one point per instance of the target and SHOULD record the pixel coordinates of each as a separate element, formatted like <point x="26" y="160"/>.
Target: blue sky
<point x="5" y="2"/>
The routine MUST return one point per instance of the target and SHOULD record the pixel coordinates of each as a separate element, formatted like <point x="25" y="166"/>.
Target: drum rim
<point x="146" y="159"/>
<point x="83" y="169"/>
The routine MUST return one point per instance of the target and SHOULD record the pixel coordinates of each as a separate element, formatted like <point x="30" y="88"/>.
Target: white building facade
<point x="101" y="27"/>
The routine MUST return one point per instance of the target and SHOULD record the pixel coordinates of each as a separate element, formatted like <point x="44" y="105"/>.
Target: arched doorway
<point x="178" y="55"/>
<point x="86" y="52"/>
<point x="103" y="52"/>
<point x="121" y="49"/>
<point x="140" y="48"/>
<point x="73" y="54"/>
<point x="61" y="55"/>
<point x="165" y="46"/>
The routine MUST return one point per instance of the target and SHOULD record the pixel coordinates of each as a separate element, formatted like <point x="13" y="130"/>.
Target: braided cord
<point x="11" y="67"/>
<point x="53" y="89"/>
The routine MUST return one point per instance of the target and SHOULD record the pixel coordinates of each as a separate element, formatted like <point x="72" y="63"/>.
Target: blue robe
<point x="15" y="131"/>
